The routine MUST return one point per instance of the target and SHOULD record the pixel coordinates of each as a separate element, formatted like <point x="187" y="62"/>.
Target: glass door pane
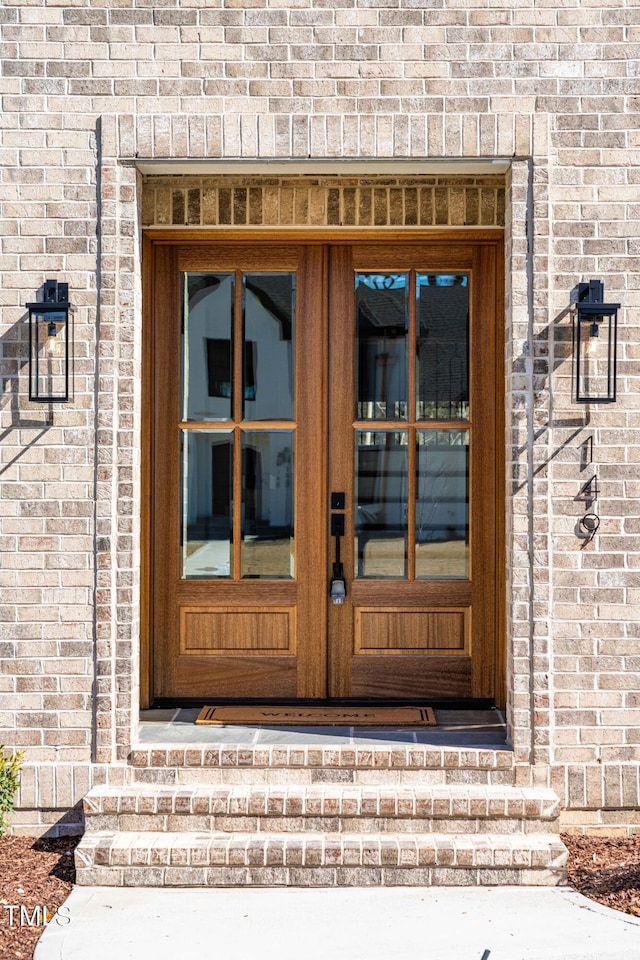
<point x="268" y="360"/>
<point x="380" y="503"/>
<point x="442" y="320"/>
<point x="207" y="485"/>
<point x="238" y="365"/>
<point x="442" y="504"/>
<point x="412" y="486"/>
<point x="267" y="503"/>
<point x="207" y="346"/>
<point x="382" y="324"/>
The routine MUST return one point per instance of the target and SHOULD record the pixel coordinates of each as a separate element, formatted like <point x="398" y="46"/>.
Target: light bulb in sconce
<point x="594" y="339"/>
<point x="52" y="340"/>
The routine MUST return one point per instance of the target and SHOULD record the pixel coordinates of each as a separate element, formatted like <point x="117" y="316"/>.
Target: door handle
<point x="338" y="586"/>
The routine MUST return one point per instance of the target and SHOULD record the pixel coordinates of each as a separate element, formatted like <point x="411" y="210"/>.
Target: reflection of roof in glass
<point x="443" y="331"/>
<point x="443" y="312"/>
<point x="200" y="285"/>
<point x="381" y="309"/>
<point x="274" y="292"/>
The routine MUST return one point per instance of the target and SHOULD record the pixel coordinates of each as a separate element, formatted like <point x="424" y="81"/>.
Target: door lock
<point x="338" y="586"/>
<point x="337" y="530"/>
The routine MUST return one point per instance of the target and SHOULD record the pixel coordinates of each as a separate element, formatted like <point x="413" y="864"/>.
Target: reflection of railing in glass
<point x="380" y="503"/>
<point x="381" y="355"/>
<point x="443" y="374"/>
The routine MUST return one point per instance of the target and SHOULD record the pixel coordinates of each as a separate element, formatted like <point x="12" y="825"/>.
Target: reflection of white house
<point x="208" y="315"/>
<point x="268" y="363"/>
<point x="382" y="318"/>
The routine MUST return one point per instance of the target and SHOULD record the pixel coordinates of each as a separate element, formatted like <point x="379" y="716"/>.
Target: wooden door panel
<point x="220" y="631"/>
<point x="251" y="592"/>
<point x="240" y="632"/>
<point x="411" y="677"/>
<point x="395" y="637"/>
<point x="413" y="256"/>
<point x="239" y="256"/>
<point x="398" y="631"/>
<point x="415" y="593"/>
<point x="237" y="677"/>
<point x="400" y="636"/>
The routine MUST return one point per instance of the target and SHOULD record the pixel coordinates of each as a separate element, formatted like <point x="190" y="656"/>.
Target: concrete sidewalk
<point x="443" y="923"/>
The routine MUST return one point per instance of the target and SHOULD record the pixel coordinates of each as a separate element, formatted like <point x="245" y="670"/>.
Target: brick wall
<point x="381" y="201"/>
<point x="87" y="86"/>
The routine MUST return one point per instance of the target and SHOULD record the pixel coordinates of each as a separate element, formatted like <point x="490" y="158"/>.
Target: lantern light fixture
<point x="51" y="345"/>
<point x="595" y="339"/>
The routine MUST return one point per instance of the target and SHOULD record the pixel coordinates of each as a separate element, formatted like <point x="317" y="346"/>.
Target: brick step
<point x="305" y="764"/>
<point x="195" y="859"/>
<point x="329" y="808"/>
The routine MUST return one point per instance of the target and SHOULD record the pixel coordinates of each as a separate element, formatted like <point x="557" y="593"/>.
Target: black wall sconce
<point x="51" y="345"/>
<point x="595" y="339"/>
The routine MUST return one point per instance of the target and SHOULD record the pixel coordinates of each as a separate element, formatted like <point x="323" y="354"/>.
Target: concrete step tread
<point x="324" y="800"/>
<point x="112" y="849"/>
<point x="399" y="756"/>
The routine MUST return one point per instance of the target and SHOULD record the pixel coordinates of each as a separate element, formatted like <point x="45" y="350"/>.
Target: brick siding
<point x="87" y="86"/>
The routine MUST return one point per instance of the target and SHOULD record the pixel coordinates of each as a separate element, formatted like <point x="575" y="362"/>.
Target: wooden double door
<point x="323" y="453"/>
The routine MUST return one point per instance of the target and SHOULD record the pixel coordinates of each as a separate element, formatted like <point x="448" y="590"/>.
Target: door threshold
<point x="442" y="703"/>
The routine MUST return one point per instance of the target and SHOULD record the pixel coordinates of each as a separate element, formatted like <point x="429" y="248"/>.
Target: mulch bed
<point x="606" y="869"/>
<point x="33" y="873"/>
<point x="40" y="873"/>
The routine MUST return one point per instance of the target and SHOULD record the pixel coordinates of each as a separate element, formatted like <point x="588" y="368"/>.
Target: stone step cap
<point x="327" y="800"/>
<point x="487" y="851"/>
<point x="405" y="756"/>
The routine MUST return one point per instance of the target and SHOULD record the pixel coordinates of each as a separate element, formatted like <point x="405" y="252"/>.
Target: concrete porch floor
<point x="455" y="728"/>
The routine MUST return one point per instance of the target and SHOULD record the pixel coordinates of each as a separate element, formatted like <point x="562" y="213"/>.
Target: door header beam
<point x="445" y="166"/>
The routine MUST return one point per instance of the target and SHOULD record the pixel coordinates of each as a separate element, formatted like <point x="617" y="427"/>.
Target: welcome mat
<point x="319" y="716"/>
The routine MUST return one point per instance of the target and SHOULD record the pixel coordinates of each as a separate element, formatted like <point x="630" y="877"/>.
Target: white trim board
<point x="337" y="167"/>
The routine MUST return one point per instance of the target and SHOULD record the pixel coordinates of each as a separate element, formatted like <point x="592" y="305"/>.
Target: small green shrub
<point x="9" y="783"/>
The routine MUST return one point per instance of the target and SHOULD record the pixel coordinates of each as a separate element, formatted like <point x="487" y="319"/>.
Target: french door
<point x="324" y="470"/>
